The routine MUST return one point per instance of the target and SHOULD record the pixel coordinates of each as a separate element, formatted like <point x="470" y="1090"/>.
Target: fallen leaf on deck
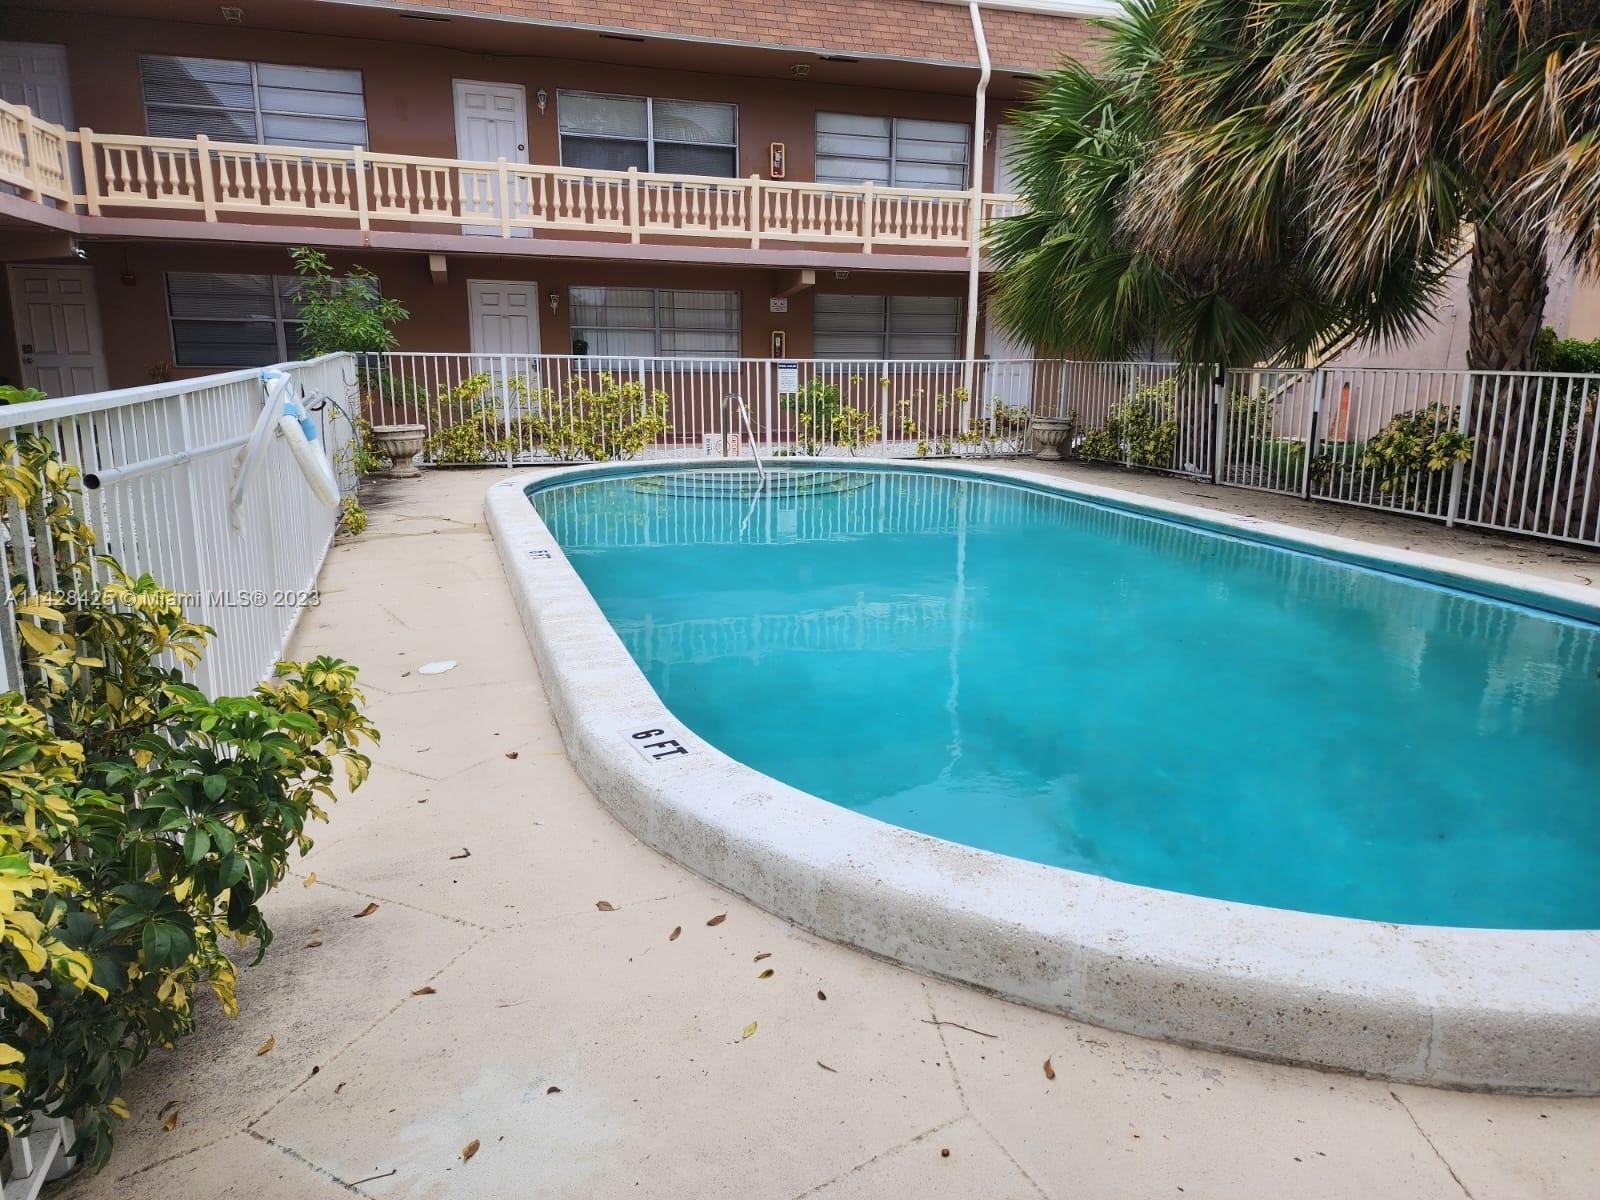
<point x="1049" y="1071"/>
<point x="465" y="853"/>
<point x="605" y="906"/>
<point x="469" y="1150"/>
<point x="168" y="1107"/>
<point x="511" y="753"/>
<point x="310" y="879"/>
<point x="266" y="1046"/>
<point x="718" y="919"/>
<point x="749" y="1031"/>
<point x="767" y="974"/>
<point x="826" y="1067"/>
<point x="338" y="1089"/>
<point x="763" y="954"/>
<point x="171" y="1121"/>
<point x="551" y="1090"/>
<point x="371" y="908"/>
<point x="821" y="995"/>
<point x="677" y="932"/>
<point x="313" y="945"/>
<point x="424" y="990"/>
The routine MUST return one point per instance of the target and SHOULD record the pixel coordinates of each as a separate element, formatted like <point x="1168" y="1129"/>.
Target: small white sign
<point x="657" y="743"/>
<point x="713" y="444"/>
<point x="734" y="445"/>
<point x="778" y="304"/>
<point x="788" y="378"/>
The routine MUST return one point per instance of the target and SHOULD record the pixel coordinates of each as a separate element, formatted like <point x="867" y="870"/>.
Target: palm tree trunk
<point x="1507" y="287"/>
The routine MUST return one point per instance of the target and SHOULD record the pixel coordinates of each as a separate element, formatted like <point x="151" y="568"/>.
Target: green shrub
<point x="825" y="419"/>
<point x="1415" y="445"/>
<point x="145" y="822"/>
<point x="1554" y="353"/>
<point x="599" y="423"/>
<point x="1141" y="428"/>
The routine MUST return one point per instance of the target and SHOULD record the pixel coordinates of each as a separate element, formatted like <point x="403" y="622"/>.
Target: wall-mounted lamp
<point x="988" y="138"/>
<point x="543" y="97"/>
<point x="555" y="301"/>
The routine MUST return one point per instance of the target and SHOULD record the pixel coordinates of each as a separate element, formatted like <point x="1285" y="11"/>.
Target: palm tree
<point x="1247" y="180"/>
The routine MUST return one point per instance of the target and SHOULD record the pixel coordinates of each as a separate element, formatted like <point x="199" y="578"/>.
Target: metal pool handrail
<point x="750" y="436"/>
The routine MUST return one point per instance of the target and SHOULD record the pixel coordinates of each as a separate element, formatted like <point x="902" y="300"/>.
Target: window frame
<point x="655" y="329"/>
<point x="649" y="130"/>
<point x="886" y="330"/>
<point x="894" y="152"/>
<point x="257" y="112"/>
<point x="279" y="320"/>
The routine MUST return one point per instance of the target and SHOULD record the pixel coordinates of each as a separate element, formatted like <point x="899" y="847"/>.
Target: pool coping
<point x="1502" y="1010"/>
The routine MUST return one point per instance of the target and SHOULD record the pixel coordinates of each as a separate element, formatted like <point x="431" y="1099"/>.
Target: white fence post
<point x="1463" y="423"/>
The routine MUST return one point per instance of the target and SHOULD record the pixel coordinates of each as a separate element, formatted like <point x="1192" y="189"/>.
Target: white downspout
<point x="975" y="205"/>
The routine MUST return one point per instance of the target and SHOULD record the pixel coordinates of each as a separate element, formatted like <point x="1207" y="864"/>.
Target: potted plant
<point x="1049" y="433"/>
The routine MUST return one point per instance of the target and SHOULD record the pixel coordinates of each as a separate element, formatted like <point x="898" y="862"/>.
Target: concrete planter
<point x="1048" y="434"/>
<point x="400" y="444"/>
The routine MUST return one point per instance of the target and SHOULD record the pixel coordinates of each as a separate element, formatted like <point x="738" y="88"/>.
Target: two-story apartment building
<point x="735" y="177"/>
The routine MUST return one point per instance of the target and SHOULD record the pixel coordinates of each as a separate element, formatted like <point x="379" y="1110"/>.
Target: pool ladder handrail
<point x="750" y="436"/>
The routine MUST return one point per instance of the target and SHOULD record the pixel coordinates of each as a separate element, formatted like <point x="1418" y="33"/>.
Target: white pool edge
<point x="1500" y="1010"/>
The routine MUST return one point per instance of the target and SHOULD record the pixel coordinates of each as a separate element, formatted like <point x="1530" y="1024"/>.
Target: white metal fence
<point x="160" y="466"/>
<point x="1345" y="435"/>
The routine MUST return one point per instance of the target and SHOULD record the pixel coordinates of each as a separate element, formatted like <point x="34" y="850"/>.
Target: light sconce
<point x="988" y="138"/>
<point x="555" y="301"/>
<point x="543" y="97"/>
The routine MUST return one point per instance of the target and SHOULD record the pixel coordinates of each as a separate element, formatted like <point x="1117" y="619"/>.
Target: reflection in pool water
<point x="1080" y="686"/>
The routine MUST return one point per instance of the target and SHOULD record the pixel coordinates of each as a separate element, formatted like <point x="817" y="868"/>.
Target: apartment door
<point x="491" y="123"/>
<point x="505" y="317"/>
<point x="58" y="329"/>
<point x="34" y="74"/>
<point x="1010" y="378"/>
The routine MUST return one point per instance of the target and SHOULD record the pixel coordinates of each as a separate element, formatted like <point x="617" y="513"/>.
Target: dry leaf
<point x="423" y="991"/>
<point x="469" y="1150"/>
<point x="316" y="929"/>
<point x="767" y="974"/>
<point x="338" y="1089"/>
<point x="763" y="954"/>
<point x="718" y="919"/>
<point x="168" y="1107"/>
<point x="551" y="1090"/>
<point x="171" y="1121"/>
<point x="266" y="1046"/>
<point x="677" y="932"/>
<point x="605" y="906"/>
<point x="821" y="995"/>
<point x="313" y="945"/>
<point x="1049" y="1071"/>
<point x="749" y="1031"/>
<point x="310" y="879"/>
<point x="511" y="754"/>
<point x="826" y="1067"/>
<point x="367" y="911"/>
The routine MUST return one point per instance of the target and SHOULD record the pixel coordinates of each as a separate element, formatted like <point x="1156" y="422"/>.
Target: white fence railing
<point x="198" y="178"/>
<point x="159" y="466"/>
<point x="1532" y="440"/>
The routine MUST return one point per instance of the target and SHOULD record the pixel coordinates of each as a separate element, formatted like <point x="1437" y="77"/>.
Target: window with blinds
<point x="898" y="151"/>
<point x="232" y="320"/>
<point x="677" y="137"/>
<point x="265" y="103"/>
<point x="656" y="322"/>
<point x="886" y="327"/>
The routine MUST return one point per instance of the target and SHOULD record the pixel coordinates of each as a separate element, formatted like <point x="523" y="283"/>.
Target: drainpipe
<point x="975" y="205"/>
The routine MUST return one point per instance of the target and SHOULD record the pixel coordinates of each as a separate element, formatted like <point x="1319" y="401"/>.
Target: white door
<point x="491" y="123"/>
<point x="35" y="74"/>
<point x="1005" y="141"/>
<point x="505" y="317"/>
<point x="58" y="329"/>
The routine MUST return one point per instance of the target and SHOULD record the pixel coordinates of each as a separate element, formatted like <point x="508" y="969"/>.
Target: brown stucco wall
<point x="138" y="337"/>
<point x="409" y="96"/>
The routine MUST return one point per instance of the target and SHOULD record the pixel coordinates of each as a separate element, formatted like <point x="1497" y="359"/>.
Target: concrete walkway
<point x="591" y="1053"/>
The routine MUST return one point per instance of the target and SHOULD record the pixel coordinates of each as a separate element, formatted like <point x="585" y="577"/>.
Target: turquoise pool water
<point x="1098" y="690"/>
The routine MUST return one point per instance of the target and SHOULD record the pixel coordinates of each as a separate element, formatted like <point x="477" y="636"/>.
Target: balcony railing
<point x="215" y="181"/>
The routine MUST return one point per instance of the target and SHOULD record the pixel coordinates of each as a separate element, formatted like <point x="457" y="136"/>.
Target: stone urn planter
<point x="1048" y="434"/>
<point x="400" y="444"/>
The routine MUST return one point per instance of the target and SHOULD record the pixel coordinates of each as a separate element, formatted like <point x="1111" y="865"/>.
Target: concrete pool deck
<point x="659" y="1092"/>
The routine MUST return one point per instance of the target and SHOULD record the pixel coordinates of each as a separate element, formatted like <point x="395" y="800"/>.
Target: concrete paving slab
<point x="239" y="1167"/>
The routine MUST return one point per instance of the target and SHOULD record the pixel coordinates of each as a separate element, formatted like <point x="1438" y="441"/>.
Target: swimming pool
<point x="1510" y="1009"/>
<point x="1063" y="682"/>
